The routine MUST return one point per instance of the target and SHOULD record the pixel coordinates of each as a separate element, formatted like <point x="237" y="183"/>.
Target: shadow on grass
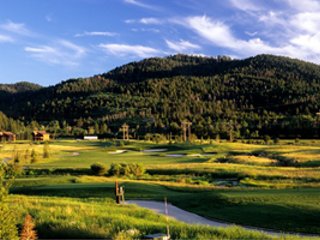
<point x="56" y="231"/>
<point x="72" y="191"/>
<point x="281" y="160"/>
<point x="182" y="146"/>
<point x="281" y="217"/>
<point x="313" y="151"/>
<point x="311" y="163"/>
<point x="103" y="190"/>
<point x="193" y="160"/>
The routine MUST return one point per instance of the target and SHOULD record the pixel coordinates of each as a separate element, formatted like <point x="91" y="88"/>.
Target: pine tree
<point x="28" y="232"/>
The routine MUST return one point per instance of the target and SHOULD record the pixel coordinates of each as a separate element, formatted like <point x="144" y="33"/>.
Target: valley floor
<point x="263" y="186"/>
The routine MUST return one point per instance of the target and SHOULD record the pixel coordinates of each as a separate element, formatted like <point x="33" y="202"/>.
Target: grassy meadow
<point x="273" y="186"/>
<point x="101" y="218"/>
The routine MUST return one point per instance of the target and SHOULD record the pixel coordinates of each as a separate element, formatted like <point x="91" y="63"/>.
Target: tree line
<point x="250" y="98"/>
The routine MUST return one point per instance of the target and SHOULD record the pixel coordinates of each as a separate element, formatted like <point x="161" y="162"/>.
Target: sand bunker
<point x="118" y="152"/>
<point x="156" y="150"/>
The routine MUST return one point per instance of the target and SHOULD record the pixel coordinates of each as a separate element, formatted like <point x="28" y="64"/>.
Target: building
<point x="40" y="136"/>
<point x="90" y="138"/>
<point x="7" y="137"/>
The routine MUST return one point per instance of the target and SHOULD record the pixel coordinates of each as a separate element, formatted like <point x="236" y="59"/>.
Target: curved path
<point x="193" y="218"/>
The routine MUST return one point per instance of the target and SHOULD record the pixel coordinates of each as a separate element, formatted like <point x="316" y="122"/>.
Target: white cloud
<point x="62" y="52"/>
<point x="309" y="43"/>
<point x="146" y="21"/>
<point x="245" y="5"/>
<point x="182" y="46"/>
<point x="220" y="35"/>
<point x="18" y="28"/>
<point x="304" y="5"/>
<point x="129" y="21"/>
<point x="106" y="34"/>
<point x="154" y="30"/>
<point x="214" y="31"/>
<point x="150" y="21"/>
<point x="5" y="38"/>
<point x="129" y="50"/>
<point x="273" y="18"/>
<point x="140" y="4"/>
<point x="251" y="34"/>
<point x="307" y="21"/>
<point x="296" y="44"/>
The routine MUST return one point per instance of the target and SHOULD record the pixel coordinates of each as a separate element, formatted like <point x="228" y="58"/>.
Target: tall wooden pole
<point x="186" y="128"/>
<point x="189" y="131"/>
<point x="125" y="131"/>
<point x="116" y="191"/>
<point x="167" y="214"/>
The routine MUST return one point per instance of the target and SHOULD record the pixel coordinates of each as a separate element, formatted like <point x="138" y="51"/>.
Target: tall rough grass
<point x="102" y="218"/>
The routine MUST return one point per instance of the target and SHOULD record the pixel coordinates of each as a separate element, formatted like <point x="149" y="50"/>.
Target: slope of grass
<point x="295" y="210"/>
<point x="102" y="219"/>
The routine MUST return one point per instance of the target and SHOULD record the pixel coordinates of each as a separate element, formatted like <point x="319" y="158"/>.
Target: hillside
<point x="19" y="87"/>
<point x="261" y="95"/>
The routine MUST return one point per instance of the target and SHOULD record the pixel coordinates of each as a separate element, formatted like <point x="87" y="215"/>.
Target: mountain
<point x="19" y="87"/>
<point x="261" y="95"/>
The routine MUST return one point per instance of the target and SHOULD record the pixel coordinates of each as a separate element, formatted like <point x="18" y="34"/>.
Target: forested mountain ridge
<point x="19" y="87"/>
<point x="247" y="98"/>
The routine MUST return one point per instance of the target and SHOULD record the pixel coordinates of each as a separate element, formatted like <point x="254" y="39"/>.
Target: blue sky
<point x="47" y="41"/>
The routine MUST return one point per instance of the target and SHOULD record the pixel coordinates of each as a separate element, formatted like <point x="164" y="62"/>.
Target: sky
<point x="49" y="41"/>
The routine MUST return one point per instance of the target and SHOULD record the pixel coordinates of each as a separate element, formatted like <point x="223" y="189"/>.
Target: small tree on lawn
<point x="33" y="156"/>
<point x="28" y="232"/>
<point x="46" y="150"/>
<point x="115" y="169"/>
<point x="98" y="169"/>
<point x="26" y="156"/>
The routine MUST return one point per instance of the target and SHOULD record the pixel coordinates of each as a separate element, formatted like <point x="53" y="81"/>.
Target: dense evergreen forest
<point x="250" y="98"/>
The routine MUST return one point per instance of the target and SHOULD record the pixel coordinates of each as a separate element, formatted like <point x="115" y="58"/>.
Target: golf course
<point x="68" y="187"/>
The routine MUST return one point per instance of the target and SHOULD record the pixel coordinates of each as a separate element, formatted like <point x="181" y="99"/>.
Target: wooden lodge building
<point x="41" y="136"/>
<point x="7" y="137"/>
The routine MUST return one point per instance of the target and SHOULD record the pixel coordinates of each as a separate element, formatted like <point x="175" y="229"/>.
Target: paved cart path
<point x="193" y="218"/>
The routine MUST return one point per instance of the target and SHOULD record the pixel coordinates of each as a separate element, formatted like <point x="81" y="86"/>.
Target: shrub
<point x="33" y="156"/>
<point x="26" y="156"/>
<point x="75" y="180"/>
<point x="136" y="169"/>
<point x="46" y="150"/>
<point x="115" y="169"/>
<point x="16" y="157"/>
<point x="276" y="141"/>
<point x="8" y="228"/>
<point x="266" y="139"/>
<point x="98" y="169"/>
<point x="126" y="235"/>
<point x="120" y="143"/>
<point x="218" y="138"/>
<point x="28" y="232"/>
<point x="124" y="169"/>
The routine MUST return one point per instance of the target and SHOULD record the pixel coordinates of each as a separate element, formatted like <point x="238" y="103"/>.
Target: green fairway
<point x="84" y="154"/>
<point x="86" y="158"/>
